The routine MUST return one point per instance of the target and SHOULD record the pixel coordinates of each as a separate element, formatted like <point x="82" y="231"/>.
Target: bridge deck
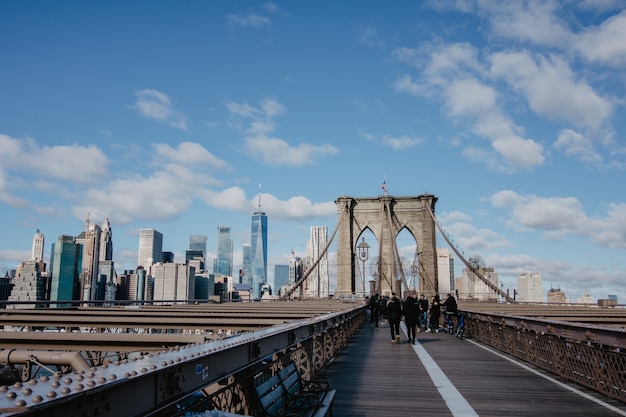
<point x="376" y="378"/>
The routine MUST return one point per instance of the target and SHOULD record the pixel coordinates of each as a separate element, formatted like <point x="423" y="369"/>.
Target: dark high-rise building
<point x="198" y="243"/>
<point x="65" y="267"/>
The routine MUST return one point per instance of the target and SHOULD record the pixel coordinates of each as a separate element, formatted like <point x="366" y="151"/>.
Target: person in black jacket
<point x="394" y="314"/>
<point x="451" y="310"/>
<point x="410" y="310"/>
<point x="373" y="306"/>
<point x="435" y="313"/>
<point x="423" y="309"/>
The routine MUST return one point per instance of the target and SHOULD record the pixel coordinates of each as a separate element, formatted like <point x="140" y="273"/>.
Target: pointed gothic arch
<point x="386" y="216"/>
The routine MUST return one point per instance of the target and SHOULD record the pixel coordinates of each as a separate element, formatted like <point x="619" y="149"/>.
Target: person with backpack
<point x="394" y="314"/>
<point x="423" y="311"/>
<point x="374" y="305"/>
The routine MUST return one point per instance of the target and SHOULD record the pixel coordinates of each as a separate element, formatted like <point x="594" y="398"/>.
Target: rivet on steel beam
<point x="51" y="394"/>
<point x="66" y="390"/>
<point x="143" y="370"/>
<point x="112" y="377"/>
<point x="4" y="388"/>
<point x="44" y="378"/>
<point x="32" y="382"/>
<point x="79" y="377"/>
<point x="27" y="391"/>
<point x="37" y="399"/>
<point x="91" y="384"/>
<point x="56" y="384"/>
<point x="126" y="374"/>
<point x="79" y="387"/>
<point x="20" y="403"/>
<point x="67" y="381"/>
<point x="17" y="385"/>
<point x="11" y="395"/>
<point x="153" y="367"/>
<point x="101" y="380"/>
<point x="133" y="373"/>
<point x="163" y="363"/>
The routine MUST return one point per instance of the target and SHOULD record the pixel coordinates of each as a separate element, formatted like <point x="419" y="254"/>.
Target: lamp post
<point x="363" y="251"/>
<point x="413" y="275"/>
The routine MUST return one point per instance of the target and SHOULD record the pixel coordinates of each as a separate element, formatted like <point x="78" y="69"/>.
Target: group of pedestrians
<point x="418" y="314"/>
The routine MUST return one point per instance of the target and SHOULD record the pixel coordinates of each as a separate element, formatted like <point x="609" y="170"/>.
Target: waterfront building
<point x="173" y="281"/>
<point x="30" y="284"/>
<point x="204" y="286"/>
<point x="224" y="262"/>
<point x="65" y="268"/>
<point x="6" y="285"/>
<point x="38" y="246"/>
<point x="150" y="248"/>
<point x="530" y="287"/>
<point x="445" y="271"/>
<point x="258" y="251"/>
<point x="317" y="282"/>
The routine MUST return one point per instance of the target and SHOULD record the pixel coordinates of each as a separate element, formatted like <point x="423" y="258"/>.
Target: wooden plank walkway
<point x="444" y="376"/>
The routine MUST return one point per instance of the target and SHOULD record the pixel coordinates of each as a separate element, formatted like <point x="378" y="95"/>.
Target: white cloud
<point x="606" y="43"/>
<point x="402" y="142"/>
<point x="76" y="163"/>
<point x="190" y="153"/>
<point x="549" y="85"/>
<point x="453" y="72"/>
<point x="561" y="216"/>
<point x="155" y="105"/>
<point x="261" y="145"/>
<point x="573" y="144"/>
<point x="251" y="20"/>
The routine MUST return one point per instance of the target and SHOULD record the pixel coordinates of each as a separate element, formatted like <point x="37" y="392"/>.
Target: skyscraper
<point x="198" y="243"/>
<point x="90" y="241"/>
<point x="317" y="281"/>
<point x="258" y="251"/>
<point x="106" y="242"/>
<point x="65" y="267"/>
<point x="445" y="270"/>
<point x="38" y="245"/>
<point x="247" y="264"/>
<point x="224" y="262"/>
<point x="530" y="286"/>
<point x="150" y="248"/>
<point x="281" y="277"/>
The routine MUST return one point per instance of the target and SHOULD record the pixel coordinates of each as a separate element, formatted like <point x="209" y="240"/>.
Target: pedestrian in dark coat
<point x="394" y="313"/>
<point x="373" y="306"/>
<point x="423" y="308"/>
<point x="410" y="310"/>
<point x="435" y="313"/>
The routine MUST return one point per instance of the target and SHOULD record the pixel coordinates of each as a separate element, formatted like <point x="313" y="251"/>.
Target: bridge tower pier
<point x="386" y="216"/>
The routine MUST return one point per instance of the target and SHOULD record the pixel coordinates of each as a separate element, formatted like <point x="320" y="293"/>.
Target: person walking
<point x="423" y="311"/>
<point x="394" y="315"/>
<point x="410" y="310"/>
<point x="373" y="306"/>
<point x="435" y="313"/>
<point x="451" y="310"/>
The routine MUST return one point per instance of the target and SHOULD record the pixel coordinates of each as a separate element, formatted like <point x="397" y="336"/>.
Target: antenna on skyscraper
<point x="259" y="197"/>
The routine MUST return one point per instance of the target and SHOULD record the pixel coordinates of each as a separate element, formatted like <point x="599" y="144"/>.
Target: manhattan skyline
<point x="167" y="115"/>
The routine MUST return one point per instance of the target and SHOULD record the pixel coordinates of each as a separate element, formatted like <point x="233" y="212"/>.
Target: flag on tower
<point x="384" y="186"/>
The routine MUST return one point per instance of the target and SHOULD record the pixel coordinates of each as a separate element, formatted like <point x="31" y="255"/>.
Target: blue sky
<point x="170" y="114"/>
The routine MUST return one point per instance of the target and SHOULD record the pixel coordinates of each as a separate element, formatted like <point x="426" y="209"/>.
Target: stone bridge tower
<point x="386" y="216"/>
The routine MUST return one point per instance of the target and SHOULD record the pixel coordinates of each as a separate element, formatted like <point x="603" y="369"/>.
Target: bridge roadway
<point x="444" y="376"/>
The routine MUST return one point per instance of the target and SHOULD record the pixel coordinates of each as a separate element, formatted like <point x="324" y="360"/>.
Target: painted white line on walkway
<point x="559" y="383"/>
<point x="456" y="403"/>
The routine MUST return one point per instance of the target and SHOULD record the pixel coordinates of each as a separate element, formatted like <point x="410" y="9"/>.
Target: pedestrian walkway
<point x="444" y="376"/>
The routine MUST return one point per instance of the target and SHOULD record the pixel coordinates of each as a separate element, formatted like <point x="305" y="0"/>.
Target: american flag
<point x="384" y="186"/>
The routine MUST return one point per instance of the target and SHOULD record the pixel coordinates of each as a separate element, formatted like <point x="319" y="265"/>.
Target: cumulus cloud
<point x="454" y="73"/>
<point x="77" y="163"/>
<point x="557" y="217"/>
<point x="606" y="43"/>
<point x="573" y="144"/>
<point x="189" y="153"/>
<point x="551" y="89"/>
<point x="260" y="143"/>
<point x="156" y="105"/>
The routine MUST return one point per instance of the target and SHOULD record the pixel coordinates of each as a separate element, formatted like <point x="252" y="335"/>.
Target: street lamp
<point x="413" y="275"/>
<point x="363" y="251"/>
